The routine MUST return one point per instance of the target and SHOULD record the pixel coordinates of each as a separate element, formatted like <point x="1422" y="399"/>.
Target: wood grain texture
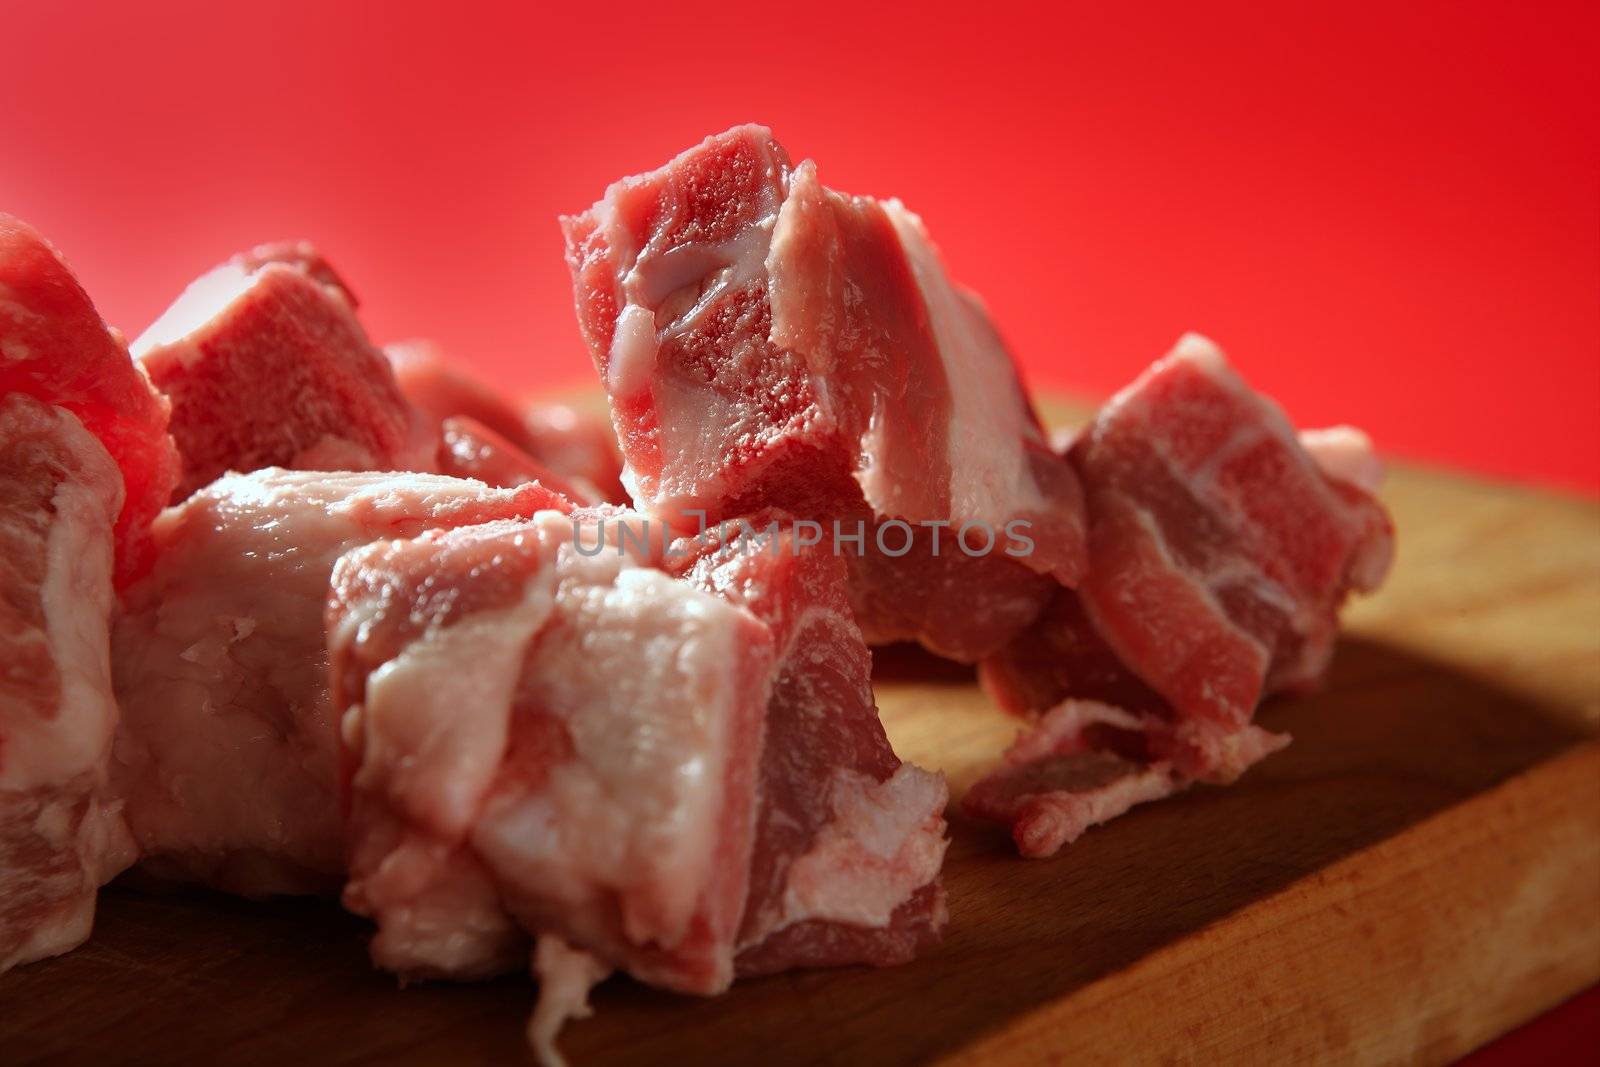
<point x="1417" y="873"/>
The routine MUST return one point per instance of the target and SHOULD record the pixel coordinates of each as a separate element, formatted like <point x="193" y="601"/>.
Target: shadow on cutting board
<point x="1390" y="740"/>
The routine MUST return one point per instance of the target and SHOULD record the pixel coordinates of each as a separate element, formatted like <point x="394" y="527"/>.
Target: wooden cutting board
<point x="1418" y="873"/>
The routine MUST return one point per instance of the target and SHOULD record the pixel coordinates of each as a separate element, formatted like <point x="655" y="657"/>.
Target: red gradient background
<point x="1388" y="214"/>
<point x="1388" y="217"/>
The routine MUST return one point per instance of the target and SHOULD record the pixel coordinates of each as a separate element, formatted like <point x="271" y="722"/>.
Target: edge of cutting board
<point x="1416" y="950"/>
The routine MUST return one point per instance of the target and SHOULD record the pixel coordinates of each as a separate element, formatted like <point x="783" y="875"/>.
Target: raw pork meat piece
<point x="226" y="756"/>
<point x="54" y="346"/>
<point x="438" y="387"/>
<point x="579" y="445"/>
<point x="767" y="342"/>
<point x="849" y="840"/>
<point x="469" y="449"/>
<point x="1220" y="552"/>
<point x="61" y="835"/>
<point x="683" y="779"/>
<point x="266" y="365"/>
<point x="591" y="778"/>
<point x="1221" y="547"/>
<point x="580" y="450"/>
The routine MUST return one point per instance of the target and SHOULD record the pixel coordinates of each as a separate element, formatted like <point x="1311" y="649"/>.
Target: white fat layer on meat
<point x="1345" y="449"/>
<point x="1346" y="454"/>
<point x="1202" y="586"/>
<point x="434" y="767"/>
<point x="990" y="479"/>
<point x="228" y="743"/>
<point x="637" y="667"/>
<point x="884" y="842"/>
<point x="566" y="975"/>
<point x="195" y="307"/>
<point x="633" y="353"/>
<point x="664" y="293"/>
<point x="440" y="913"/>
<point x="76" y="598"/>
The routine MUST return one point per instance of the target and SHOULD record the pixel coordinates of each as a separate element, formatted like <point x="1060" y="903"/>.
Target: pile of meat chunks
<point x="285" y="612"/>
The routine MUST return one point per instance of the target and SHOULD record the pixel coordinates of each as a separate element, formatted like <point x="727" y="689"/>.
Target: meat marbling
<point x="685" y="779"/>
<point x="226" y="756"/>
<point x="766" y="342"/>
<point x="1221" y="547"/>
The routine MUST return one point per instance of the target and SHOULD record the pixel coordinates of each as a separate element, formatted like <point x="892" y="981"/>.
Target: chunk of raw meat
<point x="61" y="836"/>
<point x="227" y="752"/>
<point x="767" y="342"/>
<point x="469" y="449"/>
<point x="54" y="347"/>
<point x="579" y="445"/>
<point x="1221" y="548"/>
<point x="580" y="450"/>
<point x="266" y="365"/>
<point x="1220" y="552"/>
<point x="439" y="388"/>
<point x="683" y="779"/>
<point x="595" y="768"/>
<point x="849" y="840"/>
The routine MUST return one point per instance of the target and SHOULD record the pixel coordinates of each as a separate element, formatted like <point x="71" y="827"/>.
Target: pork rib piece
<point x="683" y="779"/>
<point x="54" y="347"/>
<point x="591" y="778"/>
<point x="266" y="365"/>
<point x="578" y="449"/>
<point x="766" y="342"/>
<point x="1220" y="553"/>
<point x="61" y="835"/>
<point x="227" y="752"/>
